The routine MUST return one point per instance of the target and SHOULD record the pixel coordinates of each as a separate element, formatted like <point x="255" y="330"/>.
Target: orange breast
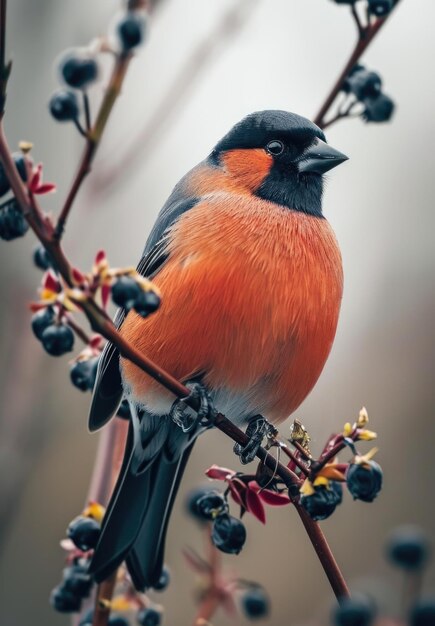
<point x="251" y="297"/>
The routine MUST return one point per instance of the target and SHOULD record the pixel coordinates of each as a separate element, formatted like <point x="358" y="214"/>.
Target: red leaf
<point x="96" y="341"/>
<point x="255" y="506"/>
<point x="105" y="295"/>
<point x="78" y="276"/>
<point x="238" y="491"/>
<point x="44" y="188"/>
<point x="51" y="282"/>
<point x="219" y="473"/>
<point x="36" y="178"/>
<point x="273" y="498"/>
<point x="100" y="257"/>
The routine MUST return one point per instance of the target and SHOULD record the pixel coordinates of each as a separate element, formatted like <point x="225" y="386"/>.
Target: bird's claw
<point x="257" y="429"/>
<point x="188" y="419"/>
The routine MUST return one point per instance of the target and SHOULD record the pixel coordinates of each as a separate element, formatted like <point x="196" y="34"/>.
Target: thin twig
<point x="93" y="139"/>
<point x="362" y="44"/>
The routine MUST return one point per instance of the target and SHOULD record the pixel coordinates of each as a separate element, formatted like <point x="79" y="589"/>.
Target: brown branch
<point x="365" y="38"/>
<point x="93" y="138"/>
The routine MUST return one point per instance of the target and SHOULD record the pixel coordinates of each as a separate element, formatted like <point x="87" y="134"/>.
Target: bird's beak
<point x="320" y="158"/>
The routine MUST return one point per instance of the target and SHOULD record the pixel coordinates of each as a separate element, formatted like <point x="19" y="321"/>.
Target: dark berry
<point x="321" y="504"/>
<point x="228" y="534"/>
<point x="12" y="221"/>
<point x="64" y="106"/>
<point x="125" y="292"/>
<point x="408" y="547"/>
<point x="255" y="603"/>
<point x="211" y="504"/>
<point x="42" y="258"/>
<point x="354" y="611"/>
<point x="42" y="320"/>
<point x="124" y="410"/>
<point x="83" y="373"/>
<point x="423" y="613"/>
<point x="364" y="480"/>
<point x="146" y="302"/>
<point x="117" y="620"/>
<point x="57" y="339"/>
<point x="64" y="601"/>
<point x="380" y="7"/>
<point x="192" y="502"/>
<point x="378" y="109"/>
<point x="20" y="164"/>
<point x="149" y="617"/>
<point x="131" y="31"/>
<point x="163" y="581"/>
<point x="84" y="532"/>
<point x="363" y="84"/>
<point x="78" y="71"/>
<point x="77" y="581"/>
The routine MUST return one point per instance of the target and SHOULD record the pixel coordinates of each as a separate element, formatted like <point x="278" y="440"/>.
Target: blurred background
<point x="227" y="59"/>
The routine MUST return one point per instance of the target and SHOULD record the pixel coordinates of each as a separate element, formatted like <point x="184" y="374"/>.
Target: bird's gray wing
<point x="107" y="393"/>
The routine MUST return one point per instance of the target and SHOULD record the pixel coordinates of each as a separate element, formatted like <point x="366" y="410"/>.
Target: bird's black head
<point x="278" y="156"/>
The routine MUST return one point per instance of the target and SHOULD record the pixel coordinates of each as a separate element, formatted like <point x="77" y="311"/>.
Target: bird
<point x="251" y="279"/>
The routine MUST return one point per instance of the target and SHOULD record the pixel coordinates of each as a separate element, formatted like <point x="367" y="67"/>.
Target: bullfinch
<point x="251" y="279"/>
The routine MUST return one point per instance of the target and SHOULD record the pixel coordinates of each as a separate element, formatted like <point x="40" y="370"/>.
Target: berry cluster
<point x="83" y="534"/>
<point x="79" y="69"/>
<point x="228" y="535"/>
<point x="366" y="88"/>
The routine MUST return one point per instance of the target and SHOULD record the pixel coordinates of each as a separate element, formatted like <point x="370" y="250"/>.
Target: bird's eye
<point x="275" y="147"/>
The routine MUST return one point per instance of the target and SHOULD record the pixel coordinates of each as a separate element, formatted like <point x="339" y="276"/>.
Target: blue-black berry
<point x="210" y="505"/>
<point x="20" y="164"/>
<point x="255" y="603"/>
<point x="117" y="620"/>
<point x="125" y="292"/>
<point x="355" y="611"/>
<point x="149" y="617"/>
<point x="84" y="532"/>
<point x="408" y="547"/>
<point x="83" y="373"/>
<point x="57" y="339"/>
<point x="42" y="258"/>
<point x="380" y="7"/>
<point x="78" y="70"/>
<point x="202" y="494"/>
<point x="131" y="30"/>
<point x="228" y="534"/>
<point x="363" y="84"/>
<point x="364" y="480"/>
<point x="64" y="105"/>
<point x="77" y="580"/>
<point x="378" y="109"/>
<point x="163" y="581"/>
<point x="12" y="221"/>
<point x="42" y="320"/>
<point x="146" y="303"/>
<point x="423" y="613"/>
<point x="321" y="504"/>
<point x="64" y="601"/>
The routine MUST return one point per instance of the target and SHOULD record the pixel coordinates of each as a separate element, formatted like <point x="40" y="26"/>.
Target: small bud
<point x="364" y="480"/>
<point x="228" y="534"/>
<point x="130" y="30"/>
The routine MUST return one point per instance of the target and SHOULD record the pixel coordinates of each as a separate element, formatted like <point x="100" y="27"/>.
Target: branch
<point x="366" y="36"/>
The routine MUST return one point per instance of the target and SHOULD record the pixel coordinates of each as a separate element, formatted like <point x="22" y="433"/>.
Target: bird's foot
<point x="257" y="429"/>
<point x="188" y="419"/>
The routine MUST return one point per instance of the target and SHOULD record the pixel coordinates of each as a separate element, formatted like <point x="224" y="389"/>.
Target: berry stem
<point x="365" y="38"/>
